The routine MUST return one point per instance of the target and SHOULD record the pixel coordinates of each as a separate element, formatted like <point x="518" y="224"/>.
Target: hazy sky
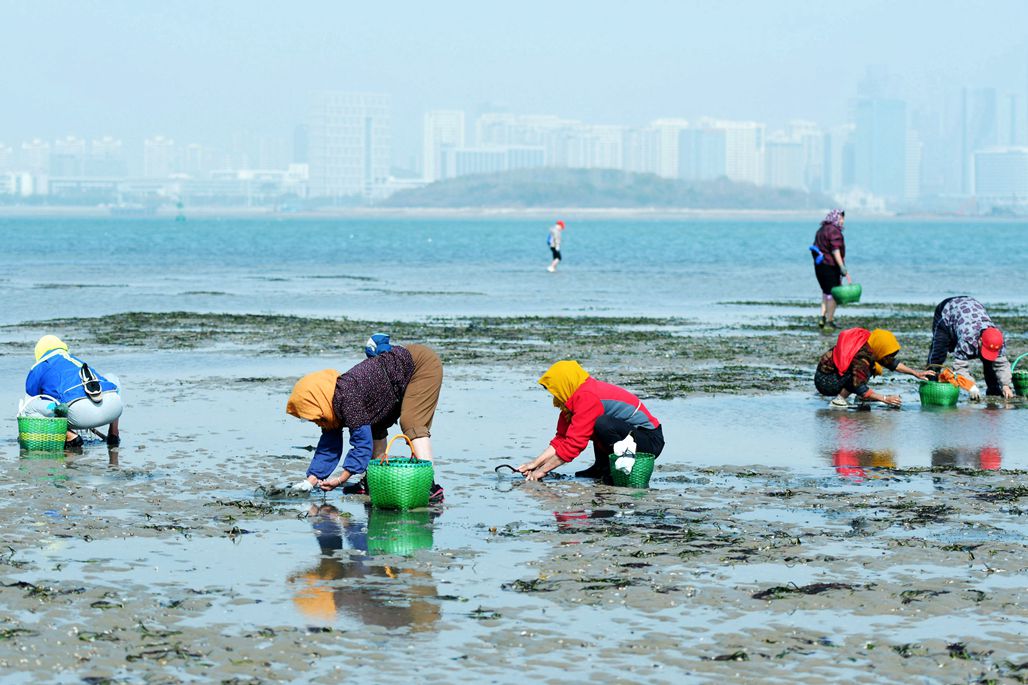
<point x="200" y="70"/>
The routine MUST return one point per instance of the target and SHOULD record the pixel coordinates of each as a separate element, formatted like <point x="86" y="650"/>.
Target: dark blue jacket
<point x="56" y="375"/>
<point x="330" y="449"/>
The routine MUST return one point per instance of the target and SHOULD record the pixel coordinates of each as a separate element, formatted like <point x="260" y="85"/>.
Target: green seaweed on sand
<point x="959" y="650"/>
<point x="910" y="649"/>
<point x="102" y="636"/>
<point x="165" y="653"/>
<point x="12" y="633"/>
<point x="782" y="591"/>
<point x="908" y="596"/>
<point x="534" y="585"/>
<point x="739" y="655"/>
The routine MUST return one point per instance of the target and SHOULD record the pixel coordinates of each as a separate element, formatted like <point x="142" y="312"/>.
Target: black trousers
<point x="609" y="430"/>
<point x="944" y="341"/>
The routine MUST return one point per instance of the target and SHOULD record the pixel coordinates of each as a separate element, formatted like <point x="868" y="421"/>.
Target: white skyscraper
<point x="444" y="129"/>
<point x="349" y="139"/>
<point x="667" y="135"/>
<point x="785" y="163"/>
<point x="159" y="157"/>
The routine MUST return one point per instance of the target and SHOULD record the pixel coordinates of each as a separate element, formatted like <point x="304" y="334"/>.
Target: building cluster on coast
<point x="971" y="156"/>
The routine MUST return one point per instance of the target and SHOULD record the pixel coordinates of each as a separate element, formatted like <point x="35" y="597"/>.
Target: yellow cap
<point x="47" y="343"/>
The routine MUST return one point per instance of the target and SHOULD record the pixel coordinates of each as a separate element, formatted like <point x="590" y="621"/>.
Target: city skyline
<point x="204" y="73"/>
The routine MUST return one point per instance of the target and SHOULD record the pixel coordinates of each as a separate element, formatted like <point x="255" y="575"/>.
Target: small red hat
<point x="992" y="344"/>
<point x="560" y="223"/>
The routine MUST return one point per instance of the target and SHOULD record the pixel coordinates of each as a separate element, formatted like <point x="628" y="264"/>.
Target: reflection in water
<point x="985" y="458"/>
<point x="43" y="466"/>
<point x="850" y="452"/>
<point x="350" y="584"/>
<point x="852" y="464"/>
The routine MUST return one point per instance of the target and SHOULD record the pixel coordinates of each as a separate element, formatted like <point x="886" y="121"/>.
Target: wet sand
<point x="866" y="546"/>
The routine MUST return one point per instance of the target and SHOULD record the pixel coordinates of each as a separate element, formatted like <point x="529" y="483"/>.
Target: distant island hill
<point x="598" y="189"/>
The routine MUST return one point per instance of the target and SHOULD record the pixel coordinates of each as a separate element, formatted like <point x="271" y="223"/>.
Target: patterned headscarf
<point x="834" y="217"/>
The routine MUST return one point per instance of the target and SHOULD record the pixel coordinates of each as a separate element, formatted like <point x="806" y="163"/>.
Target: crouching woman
<point x="614" y="420"/>
<point x="858" y="355"/>
<point x="58" y="378"/>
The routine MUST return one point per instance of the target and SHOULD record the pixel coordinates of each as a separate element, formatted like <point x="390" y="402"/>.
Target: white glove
<point x="303" y="486"/>
<point x="622" y="446"/>
<point x="624" y="464"/>
<point x="974" y="393"/>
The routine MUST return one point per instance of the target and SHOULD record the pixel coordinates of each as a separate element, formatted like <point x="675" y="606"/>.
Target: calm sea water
<point x="387" y="268"/>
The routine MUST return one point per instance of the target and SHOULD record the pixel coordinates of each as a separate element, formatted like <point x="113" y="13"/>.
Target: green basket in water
<point x="847" y="294"/>
<point x="640" y="475"/>
<point x="400" y="482"/>
<point x="37" y="433"/>
<point x="1020" y="377"/>
<point x="935" y="394"/>
<point x="399" y="532"/>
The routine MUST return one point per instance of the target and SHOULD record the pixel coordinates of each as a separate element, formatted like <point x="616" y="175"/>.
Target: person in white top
<point x="553" y="240"/>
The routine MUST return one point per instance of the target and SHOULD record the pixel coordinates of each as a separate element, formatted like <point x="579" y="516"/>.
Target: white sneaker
<point x="551" y="269"/>
<point x="838" y="403"/>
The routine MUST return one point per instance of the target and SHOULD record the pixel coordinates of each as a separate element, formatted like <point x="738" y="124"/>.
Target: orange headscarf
<point x="311" y="399"/>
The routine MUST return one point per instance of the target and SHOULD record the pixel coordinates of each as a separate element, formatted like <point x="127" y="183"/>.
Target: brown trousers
<point x="422" y="395"/>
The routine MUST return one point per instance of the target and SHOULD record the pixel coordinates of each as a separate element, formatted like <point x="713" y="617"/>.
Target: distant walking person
<point x="829" y="252"/>
<point x="962" y="326"/>
<point x="553" y="240"/>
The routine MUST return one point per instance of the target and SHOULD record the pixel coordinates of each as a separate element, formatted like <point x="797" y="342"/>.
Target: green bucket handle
<point x="1013" y="367"/>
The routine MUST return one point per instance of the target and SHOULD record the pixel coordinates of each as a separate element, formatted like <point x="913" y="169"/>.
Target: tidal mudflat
<point x="778" y="538"/>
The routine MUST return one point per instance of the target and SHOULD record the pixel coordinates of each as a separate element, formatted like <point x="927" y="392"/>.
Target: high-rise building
<point x="786" y="167"/>
<point x="812" y="138"/>
<point x="1001" y="177"/>
<point x="444" y="129"/>
<point x="667" y="135"/>
<point x="349" y="144"/>
<point x="106" y="158"/>
<point x="159" y="157"/>
<point x="35" y="156"/>
<point x="701" y="153"/>
<point x="880" y="147"/>
<point x="712" y="148"/>
<point x="640" y="150"/>
<point x="6" y="157"/>
<point x="68" y="156"/>
<point x="838" y="165"/>
<point x="979" y="129"/>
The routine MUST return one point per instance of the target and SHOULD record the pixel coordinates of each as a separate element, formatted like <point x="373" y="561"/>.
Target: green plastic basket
<point x="847" y="294"/>
<point x="935" y="394"/>
<point x="400" y="482"/>
<point x="47" y="434"/>
<point x="399" y="532"/>
<point x="640" y="475"/>
<point x="1020" y="377"/>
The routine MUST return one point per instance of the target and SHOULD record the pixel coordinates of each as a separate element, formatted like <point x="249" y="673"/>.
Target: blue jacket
<point x="330" y="449"/>
<point x="56" y="375"/>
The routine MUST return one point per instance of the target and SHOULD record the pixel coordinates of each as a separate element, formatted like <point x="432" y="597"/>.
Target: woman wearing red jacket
<point x="597" y="411"/>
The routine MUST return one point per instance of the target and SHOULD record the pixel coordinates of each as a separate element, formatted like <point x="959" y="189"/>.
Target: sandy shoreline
<point x="535" y="213"/>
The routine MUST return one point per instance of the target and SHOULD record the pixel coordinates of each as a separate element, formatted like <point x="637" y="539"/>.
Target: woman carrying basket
<point x="829" y="253"/>
<point x="614" y="419"/>
<point x="393" y="384"/>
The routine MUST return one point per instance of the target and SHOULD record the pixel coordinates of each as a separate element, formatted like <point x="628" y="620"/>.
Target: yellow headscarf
<point x="562" y="380"/>
<point x="48" y="343"/>
<point x="882" y="343"/>
<point x="311" y="399"/>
